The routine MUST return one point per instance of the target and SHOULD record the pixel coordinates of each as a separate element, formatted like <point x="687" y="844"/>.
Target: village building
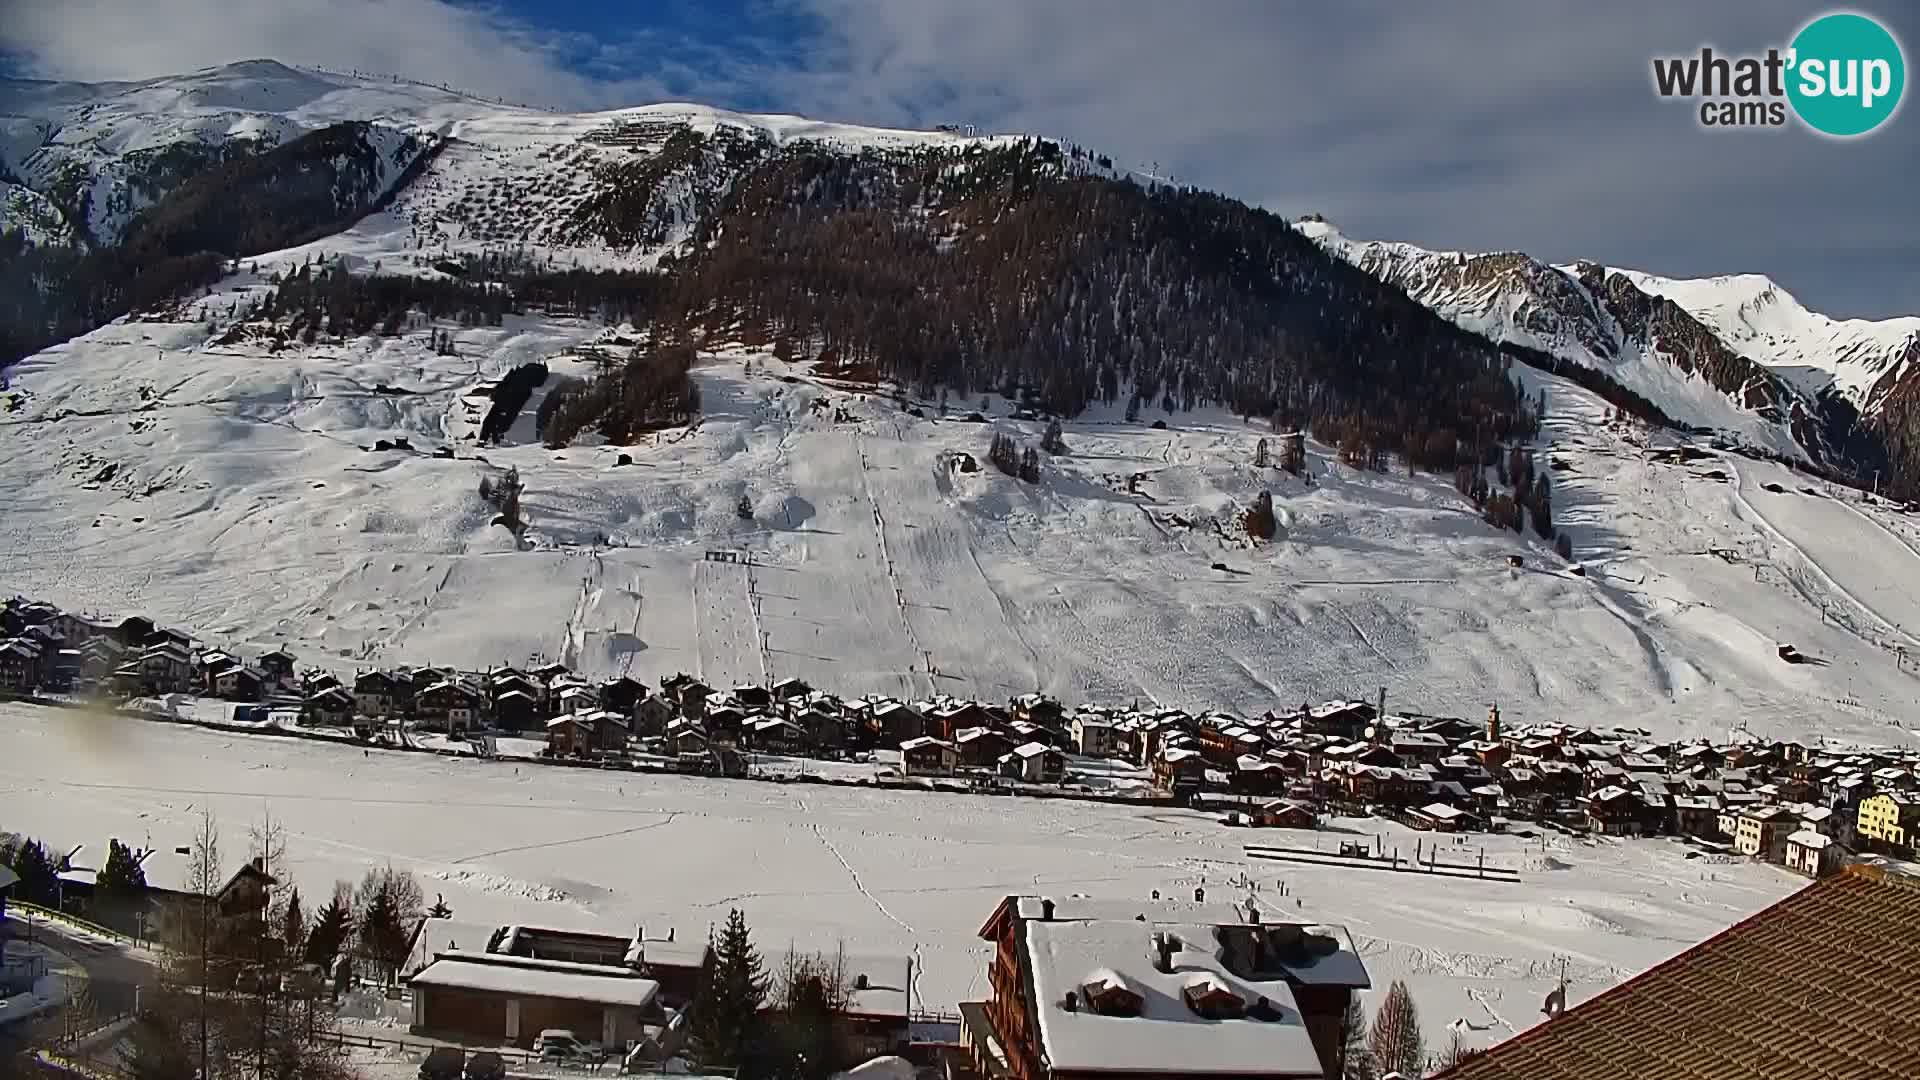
<point x="500" y="998"/>
<point x="1095" y="735"/>
<point x="1761" y="833"/>
<point x="981" y="747"/>
<point x="1889" y="822"/>
<point x="378" y="694"/>
<point x="1034" y="763"/>
<point x="1081" y="990"/>
<point x="448" y="705"/>
<point x="332" y="707"/>
<point x="926" y="756"/>
<point x="1813" y="853"/>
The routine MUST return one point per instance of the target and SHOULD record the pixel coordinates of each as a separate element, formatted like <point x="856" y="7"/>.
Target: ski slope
<point x="886" y="873"/>
<point x="238" y="493"/>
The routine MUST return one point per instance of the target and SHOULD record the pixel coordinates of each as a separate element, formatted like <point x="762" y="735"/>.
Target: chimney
<point x="1072" y="1004"/>
<point x="860" y="982"/>
<point x="1493" y="723"/>
<point x="1046" y="910"/>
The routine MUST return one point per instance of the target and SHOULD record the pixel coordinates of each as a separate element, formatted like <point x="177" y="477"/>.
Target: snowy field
<point x="237" y="493"/>
<point x="887" y="873"/>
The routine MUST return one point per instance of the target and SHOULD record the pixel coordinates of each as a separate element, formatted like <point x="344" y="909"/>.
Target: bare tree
<point x="1395" y="1039"/>
<point x="1356" y="1058"/>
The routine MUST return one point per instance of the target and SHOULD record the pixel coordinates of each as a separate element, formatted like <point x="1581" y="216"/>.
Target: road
<point x="112" y="973"/>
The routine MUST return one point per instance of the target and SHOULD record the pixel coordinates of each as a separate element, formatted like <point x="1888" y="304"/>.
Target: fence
<point x="73" y="922"/>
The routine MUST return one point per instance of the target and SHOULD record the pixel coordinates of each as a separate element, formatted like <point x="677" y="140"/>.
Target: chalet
<point x="166" y="667"/>
<point x="1378" y="784"/>
<point x="687" y="737"/>
<point x="1035" y="763"/>
<point x="1285" y="814"/>
<point x="622" y="695"/>
<point x="1081" y="991"/>
<point x="651" y="714"/>
<point x="1177" y="767"/>
<point x="1695" y="815"/>
<point x="947" y="719"/>
<point x="1038" y="709"/>
<point x="926" y="756"/>
<point x="752" y="698"/>
<point x="1256" y="775"/>
<point x="981" y="748"/>
<point x="824" y="724"/>
<point x="1345" y="719"/>
<point x="169" y="636"/>
<point x="1094" y="735"/>
<point x="896" y="722"/>
<point x="332" y="707"/>
<point x="789" y="689"/>
<point x="1615" y="811"/>
<point x="1417" y="747"/>
<point x="278" y="666"/>
<point x="724" y="722"/>
<point x="419" y="680"/>
<point x="570" y="735"/>
<point x="501" y="683"/>
<point x="379" y="694"/>
<point x="1440" y="817"/>
<point x="99" y="656"/>
<point x="550" y="673"/>
<point x="19" y="665"/>
<point x="448" y="705"/>
<point x="516" y="710"/>
<point x="571" y="696"/>
<point x="687" y="693"/>
<point x="778" y="735"/>
<point x="237" y="683"/>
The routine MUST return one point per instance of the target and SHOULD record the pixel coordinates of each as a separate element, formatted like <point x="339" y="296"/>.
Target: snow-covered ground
<point x="235" y="492"/>
<point x="887" y="873"/>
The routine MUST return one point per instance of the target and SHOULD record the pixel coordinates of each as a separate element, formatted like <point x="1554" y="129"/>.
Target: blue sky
<point x="1498" y="124"/>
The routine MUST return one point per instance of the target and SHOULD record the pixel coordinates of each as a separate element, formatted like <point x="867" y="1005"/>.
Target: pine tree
<point x="727" y="1016"/>
<point x="1395" y="1041"/>
<point x="439" y="910"/>
<point x="293" y="923"/>
<point x="39" y="880"/>
<point x="744" y="507"/>
<point x="1357" y="1059"/>
<point x="1030" y="465"/>
<point x="331" y="929"/>
<point x="121" y="889"/>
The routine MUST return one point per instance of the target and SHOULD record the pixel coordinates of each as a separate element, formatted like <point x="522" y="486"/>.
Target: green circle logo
<point x="1847" y="74"/>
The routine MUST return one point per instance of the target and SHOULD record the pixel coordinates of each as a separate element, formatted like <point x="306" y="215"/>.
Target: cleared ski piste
<point x="887" y="873"/>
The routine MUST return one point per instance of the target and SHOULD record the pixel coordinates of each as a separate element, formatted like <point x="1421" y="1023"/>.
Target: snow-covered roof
<point x="1442" y="811"/>
<point x="446" y="935"/>
<point x="1166" y="1036"/>
<point x="1031" y="750"/>
<point x="548" y="980"/>
<point x="1807" y="838"/>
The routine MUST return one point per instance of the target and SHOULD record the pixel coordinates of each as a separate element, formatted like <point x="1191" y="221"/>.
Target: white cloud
<point x="472" y="48"/>
<point x="1497" y="124"/>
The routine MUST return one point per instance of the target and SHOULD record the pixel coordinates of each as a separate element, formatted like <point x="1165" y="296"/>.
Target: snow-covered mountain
<point x="82" y="159"/>
<point x="1604" y="321"/>
<point x="1862" y="359"/>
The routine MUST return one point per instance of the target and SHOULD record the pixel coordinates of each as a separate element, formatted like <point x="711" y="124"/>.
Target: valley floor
<point x="887" y="874"/>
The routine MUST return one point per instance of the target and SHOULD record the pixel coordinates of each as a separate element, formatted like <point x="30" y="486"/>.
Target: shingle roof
<point x="1824" y="983"/>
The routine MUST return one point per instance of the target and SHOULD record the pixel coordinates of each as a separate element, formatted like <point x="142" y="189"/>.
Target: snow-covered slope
<point x="1856" y="357"/>
<point x="237" y="491"/>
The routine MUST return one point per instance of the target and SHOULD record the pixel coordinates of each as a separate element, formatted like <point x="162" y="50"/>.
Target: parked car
<point x="444" y="1063"/>
<point x="558" y="1044"/>
<point x="486" y="1065"/>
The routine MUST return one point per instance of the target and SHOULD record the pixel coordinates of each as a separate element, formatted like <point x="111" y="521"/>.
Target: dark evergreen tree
<point x="332" y="928"/>
<point x="1053" y="442"/>
<point x="727" y="1019"/>
<point x="439" y="910"/>
<point x="120" y="891"/>
<point x="39" y="879"/>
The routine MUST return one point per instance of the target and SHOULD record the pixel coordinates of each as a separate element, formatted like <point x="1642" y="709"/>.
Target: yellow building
<point x="1890" y="818"/>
